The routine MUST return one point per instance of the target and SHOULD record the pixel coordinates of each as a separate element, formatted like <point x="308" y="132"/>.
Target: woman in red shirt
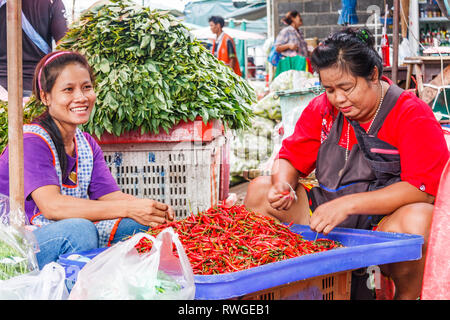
<point x="378" y="154"/>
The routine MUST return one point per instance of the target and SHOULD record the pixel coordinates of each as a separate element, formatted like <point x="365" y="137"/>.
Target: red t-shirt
<point x="411" y="127"/>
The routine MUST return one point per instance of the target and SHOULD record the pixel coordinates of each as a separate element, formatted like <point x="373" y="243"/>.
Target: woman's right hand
<point x="293" y="46"/>
<point x="149" y="212"/>
<point x="280" y="196"/>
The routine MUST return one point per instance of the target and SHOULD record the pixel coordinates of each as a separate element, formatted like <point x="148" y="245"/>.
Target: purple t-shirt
<point x="39" y="171"/>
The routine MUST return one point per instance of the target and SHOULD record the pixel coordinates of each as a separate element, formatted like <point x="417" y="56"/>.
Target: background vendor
<point x="223" y="47"/>
<point x="43" y="22"/>
<point x="71" y="197"/>
<point x="378" y="154"/>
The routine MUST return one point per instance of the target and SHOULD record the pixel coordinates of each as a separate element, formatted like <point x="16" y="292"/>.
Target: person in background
<point x="71" y="198"/>
<point x="378" y="153"/>
<point x="42" y="22"/>
<point x="223" y="47"/>
<point x="290" y="41"/>
<point x="251" y="67"/>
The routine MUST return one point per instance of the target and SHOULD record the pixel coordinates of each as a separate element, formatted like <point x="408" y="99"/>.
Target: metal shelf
<point x="434" y="19"/>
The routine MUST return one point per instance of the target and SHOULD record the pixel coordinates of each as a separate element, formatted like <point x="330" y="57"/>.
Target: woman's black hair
<point x="289" y="17"/>
<point x="49" y="72"/>
<point x="350" y="49"/>
<point x="217" y="20"/>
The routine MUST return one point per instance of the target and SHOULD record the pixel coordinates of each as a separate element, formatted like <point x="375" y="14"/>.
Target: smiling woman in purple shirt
<point x="71" y="197"/>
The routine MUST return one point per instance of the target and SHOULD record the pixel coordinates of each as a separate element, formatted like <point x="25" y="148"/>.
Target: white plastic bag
<point x="120" y="272"/>
<point x="404" y="51"/>
<point x="47" y="284"/>
<point x="3" y="94"/>
<point x="17" y="244"/>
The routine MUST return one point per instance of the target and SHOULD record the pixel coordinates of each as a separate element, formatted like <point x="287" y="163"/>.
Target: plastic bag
<point x="268" y="107"/>
<point x="47" y="284"/>
<point x="17" y="245"/>
<point x="274" y="56"/>
<point x="293" y="79"/>
<point x="404" y="51"/>
<point x="120" y="272"/>
<point x="277" y="137"/>
<point x="3" y="94"/>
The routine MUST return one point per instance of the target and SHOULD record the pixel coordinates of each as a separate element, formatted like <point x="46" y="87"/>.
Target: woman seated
<point x="70" y="194"/>
<point x="378" y="154"/>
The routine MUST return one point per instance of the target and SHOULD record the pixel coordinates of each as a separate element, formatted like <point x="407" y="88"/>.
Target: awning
<point x="205" y="33"/>
<point x="253" y="11"/>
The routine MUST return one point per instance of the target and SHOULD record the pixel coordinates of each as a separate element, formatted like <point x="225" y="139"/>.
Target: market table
<point x="425" y="68"/>
<point x="401" y="73"/>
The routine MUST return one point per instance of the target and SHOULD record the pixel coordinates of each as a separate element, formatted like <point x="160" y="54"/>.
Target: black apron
<point x="372" y="163"/>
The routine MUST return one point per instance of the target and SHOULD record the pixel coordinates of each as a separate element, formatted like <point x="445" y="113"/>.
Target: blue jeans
<point x="127" y="227"/>
<point x="76" y="235"/>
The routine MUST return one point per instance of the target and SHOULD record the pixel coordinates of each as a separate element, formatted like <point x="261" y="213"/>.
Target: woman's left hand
<point x="330" y="214"/>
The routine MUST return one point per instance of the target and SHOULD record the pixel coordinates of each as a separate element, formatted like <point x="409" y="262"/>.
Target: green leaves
<point x="151" y="73"/>
<point x="31" y="110"/>
<point x="104" y="65"/>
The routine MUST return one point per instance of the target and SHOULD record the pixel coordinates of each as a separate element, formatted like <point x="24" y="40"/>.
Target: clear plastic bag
<point x="120" y="272"/>
<point x="47" y="284"/>
<point x="17" y="244"/>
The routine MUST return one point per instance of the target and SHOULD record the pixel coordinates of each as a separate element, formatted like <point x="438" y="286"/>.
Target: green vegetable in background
<point x="31" y="110"/>
<point x="152" y="73"/>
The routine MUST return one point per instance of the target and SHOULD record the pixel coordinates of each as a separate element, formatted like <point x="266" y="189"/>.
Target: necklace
<point x="370" y="126"/>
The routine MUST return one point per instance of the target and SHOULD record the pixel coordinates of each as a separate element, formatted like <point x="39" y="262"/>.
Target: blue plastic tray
<point x="362" y="248"/>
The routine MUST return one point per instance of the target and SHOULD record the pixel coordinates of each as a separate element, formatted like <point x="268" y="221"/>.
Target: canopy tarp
<point x="205" y="33"/>
<point x="198" y="12"/>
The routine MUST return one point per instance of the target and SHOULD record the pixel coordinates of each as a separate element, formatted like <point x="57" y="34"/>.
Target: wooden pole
<point x="15" y="111"/>
<point x="404" y="17"/>
<point x="395" y="31"/>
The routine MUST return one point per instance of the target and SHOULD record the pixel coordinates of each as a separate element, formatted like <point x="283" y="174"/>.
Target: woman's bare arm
<point x="381" y="201"/>
<point x="56" y="206"/>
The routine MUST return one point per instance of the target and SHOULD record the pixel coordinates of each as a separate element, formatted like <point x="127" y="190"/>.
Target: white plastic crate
<point x="185" y="175"/>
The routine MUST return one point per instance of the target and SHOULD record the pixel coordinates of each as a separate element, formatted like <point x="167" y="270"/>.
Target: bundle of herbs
<point x="151" y="72"/>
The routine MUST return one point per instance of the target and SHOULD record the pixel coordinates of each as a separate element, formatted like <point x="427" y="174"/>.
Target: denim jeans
<point x="127" y="227"/>
<point x="76" y="235"/>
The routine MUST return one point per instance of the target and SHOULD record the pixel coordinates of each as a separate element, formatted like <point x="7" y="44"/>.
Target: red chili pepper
<point x="221" y="240"/>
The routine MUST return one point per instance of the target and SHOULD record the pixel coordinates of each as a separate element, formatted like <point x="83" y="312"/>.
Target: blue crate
<point x="362" y="248"/>
<point x="74" y="262"/>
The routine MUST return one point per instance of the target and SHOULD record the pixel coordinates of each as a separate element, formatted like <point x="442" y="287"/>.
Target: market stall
<point x="166" y="127"/>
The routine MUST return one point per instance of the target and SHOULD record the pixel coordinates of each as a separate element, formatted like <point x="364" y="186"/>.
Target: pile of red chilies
<point x="222" y="240"/>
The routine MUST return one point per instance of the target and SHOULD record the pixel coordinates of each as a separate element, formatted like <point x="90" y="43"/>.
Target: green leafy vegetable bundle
<point x="152" y="73"/>
<point x="30" y="111"/>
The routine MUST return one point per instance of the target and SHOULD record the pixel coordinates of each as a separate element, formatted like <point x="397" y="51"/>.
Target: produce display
<point x="255" y="148"/>
<point x="222" y="240"/>
<point x="30" y="111"/>
<point x="250" y="148"/>
<point x="151" y="72"/>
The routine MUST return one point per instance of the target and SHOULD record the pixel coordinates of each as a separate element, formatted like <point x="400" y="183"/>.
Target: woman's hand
<point x="330" y="214"/>
<point x="149" y="212"/>
<point x="287" y="46"/>
<point x="293" y="46"/>
<point x="280" y="196"/>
